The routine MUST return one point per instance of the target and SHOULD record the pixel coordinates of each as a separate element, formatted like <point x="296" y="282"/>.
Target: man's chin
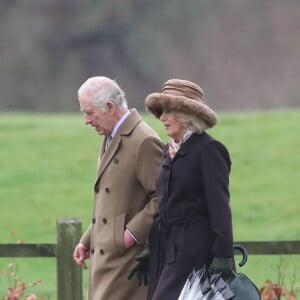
<point x="100" y="132"/>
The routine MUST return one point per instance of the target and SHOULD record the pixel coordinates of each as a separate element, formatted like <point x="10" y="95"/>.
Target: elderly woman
<point x="194" y="226"/>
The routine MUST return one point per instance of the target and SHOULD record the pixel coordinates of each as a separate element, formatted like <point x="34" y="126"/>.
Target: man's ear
<point x="111" y="107"/>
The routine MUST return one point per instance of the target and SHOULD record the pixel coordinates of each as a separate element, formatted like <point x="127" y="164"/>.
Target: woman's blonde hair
<point x="190" y="122"/>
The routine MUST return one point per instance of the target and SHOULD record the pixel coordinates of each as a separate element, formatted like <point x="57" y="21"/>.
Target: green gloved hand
<point x="221" y="265"/>
<point x="140" y="269"/>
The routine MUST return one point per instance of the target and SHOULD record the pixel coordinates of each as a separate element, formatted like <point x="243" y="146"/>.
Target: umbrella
<point x="201" y="285"/>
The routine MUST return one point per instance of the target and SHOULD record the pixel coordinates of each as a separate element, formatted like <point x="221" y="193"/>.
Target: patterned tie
<point x="108" y="141"/>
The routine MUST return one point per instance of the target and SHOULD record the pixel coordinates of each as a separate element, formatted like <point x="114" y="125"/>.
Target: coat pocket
<point x="119" y="233"/>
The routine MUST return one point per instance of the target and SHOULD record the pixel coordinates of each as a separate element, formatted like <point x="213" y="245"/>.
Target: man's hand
<point x="80" y="254"/>
<point x="140" y="269"/>
<point x="128" y="239"/>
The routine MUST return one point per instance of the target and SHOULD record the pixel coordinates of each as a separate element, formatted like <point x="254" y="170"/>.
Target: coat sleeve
<point x="86" y="237"/>
<point x="215" y="168"/>
<point x="146" y="164"/>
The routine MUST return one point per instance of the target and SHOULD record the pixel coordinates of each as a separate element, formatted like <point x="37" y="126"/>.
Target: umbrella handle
<point x="244" y="253"/>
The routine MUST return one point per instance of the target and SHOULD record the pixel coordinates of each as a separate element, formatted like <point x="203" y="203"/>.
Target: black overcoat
<point x="194" y="223"/>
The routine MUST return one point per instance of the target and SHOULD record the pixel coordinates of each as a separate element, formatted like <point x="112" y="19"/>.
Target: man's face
<point x="102" y="121"/>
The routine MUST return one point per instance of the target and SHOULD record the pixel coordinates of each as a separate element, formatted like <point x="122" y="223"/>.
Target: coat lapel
<point x="125" y="129"/>
<point x="106" y="156"/>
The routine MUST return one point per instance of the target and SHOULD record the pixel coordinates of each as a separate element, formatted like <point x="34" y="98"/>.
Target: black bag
<point x="243" y="288"/>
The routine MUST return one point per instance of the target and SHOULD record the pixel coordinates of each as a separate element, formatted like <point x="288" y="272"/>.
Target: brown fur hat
<point x="183" y="96"/>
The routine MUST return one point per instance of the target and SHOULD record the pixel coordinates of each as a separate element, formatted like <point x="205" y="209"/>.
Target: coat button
<point x="116" y="160"/>
<point x="94" y="220"/>
<point x="107" y="190"/>
<point x="96" y="189"/>
<point x="92" y="251"/>
<point x="104" y="220"/>
<point x="101" y="251"/>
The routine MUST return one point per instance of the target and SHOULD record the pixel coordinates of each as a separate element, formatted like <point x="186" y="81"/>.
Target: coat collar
<point x="125" y="129"/>
<point x="183" y="150"/>
<point x="167" y="161"/>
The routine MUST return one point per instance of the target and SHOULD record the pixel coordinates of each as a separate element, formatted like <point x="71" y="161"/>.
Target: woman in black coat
<point x="193" y="227"/>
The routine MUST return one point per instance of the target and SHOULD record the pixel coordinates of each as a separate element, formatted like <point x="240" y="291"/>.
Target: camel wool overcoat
<point x="124" y="197"/>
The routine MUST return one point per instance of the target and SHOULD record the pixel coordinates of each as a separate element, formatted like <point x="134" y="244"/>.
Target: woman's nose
<point x="162" y="116"/>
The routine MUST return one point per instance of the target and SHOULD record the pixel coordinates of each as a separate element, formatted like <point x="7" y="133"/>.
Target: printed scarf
<point x="174" y="147"/>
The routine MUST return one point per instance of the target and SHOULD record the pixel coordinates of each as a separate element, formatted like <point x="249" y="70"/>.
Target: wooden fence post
<point x="69" y="275"/>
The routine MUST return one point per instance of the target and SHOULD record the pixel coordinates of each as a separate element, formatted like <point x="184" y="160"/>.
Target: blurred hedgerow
<point x="276" y="290"/>
<point x="18" y="289"/>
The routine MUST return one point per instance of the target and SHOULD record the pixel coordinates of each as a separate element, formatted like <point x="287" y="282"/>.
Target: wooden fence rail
<point x="69" y="275"/>
<point x="271" y="247"/>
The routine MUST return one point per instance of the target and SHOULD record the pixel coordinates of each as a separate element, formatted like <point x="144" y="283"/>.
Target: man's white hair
<point x="102" y="89"/>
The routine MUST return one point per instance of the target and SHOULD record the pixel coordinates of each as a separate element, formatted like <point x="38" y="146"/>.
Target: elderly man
<point x="124" y="192"/>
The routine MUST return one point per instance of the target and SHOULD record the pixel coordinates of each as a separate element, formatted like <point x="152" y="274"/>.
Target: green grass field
<point x="48" y="164"/>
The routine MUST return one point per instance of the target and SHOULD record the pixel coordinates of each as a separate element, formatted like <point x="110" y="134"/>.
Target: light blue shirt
<point x="119" y="123"/>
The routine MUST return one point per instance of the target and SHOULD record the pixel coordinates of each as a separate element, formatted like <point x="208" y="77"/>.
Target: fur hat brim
<point x="156" y="103"/>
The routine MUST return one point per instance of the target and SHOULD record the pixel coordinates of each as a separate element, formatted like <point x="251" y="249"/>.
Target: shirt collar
<point x="119" y="123"/>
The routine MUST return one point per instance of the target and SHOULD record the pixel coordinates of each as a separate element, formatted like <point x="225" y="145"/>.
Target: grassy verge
<point x="48" y="166"/>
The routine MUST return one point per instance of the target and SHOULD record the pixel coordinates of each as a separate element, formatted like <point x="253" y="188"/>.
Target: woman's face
<point x="172" y="125"/>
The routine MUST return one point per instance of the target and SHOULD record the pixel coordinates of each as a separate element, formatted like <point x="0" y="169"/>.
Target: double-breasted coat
<point x="194" y="222"/>
<point x="124" y="197"/>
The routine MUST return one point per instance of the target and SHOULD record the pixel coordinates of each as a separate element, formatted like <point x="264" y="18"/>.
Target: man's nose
<point x="87" y="119"/>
